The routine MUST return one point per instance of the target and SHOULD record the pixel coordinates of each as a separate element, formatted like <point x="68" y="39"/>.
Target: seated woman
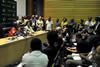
<point x="28" y="28"/>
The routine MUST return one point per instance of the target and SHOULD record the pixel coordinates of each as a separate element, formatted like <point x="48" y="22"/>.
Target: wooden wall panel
<point x="71" y="8"/>
<point x="29" y="7"/>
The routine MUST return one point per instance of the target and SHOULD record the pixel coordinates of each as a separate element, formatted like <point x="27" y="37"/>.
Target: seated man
<point x="81" y="44"/>
<point x="52" y="48"/>
<point x="35" y="58"/>
<point x="89" y="22"/>
<point x="79" y="59"/>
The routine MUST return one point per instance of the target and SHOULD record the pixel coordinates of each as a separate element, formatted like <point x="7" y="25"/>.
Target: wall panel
<point x="71" y="8"/>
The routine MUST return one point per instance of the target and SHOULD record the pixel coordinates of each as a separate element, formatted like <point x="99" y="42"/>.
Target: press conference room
<point x="49" y="33"/>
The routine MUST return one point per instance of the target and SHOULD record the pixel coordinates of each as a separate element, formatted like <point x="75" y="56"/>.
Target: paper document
<point x="75" y="44"/>
<point x="21" y="37"/>
<point x="20" y="65"/>
<point x="76" y="56"/>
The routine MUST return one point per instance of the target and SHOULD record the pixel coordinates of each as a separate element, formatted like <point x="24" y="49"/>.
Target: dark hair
<point x="49" y="19"/>
<point x="96" y="19"/>
<point x="36" y="44"/>
<point x="52" y="37"/>
<point x="57" y="20"/>
<point x="90" y="18"/>
<point x="78" y="35"/>
<point x="85" y="31"/>
<point x="82" y="20"/>
<point x="72" y="20"/>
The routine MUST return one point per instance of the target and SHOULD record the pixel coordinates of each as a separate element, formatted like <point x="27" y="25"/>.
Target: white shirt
<point x="39" y="24"/>
<point x="89" y="23"/>
<point x="35" y="59"/>
<point x="29" y="30"/>
<point x="49" y="25"/>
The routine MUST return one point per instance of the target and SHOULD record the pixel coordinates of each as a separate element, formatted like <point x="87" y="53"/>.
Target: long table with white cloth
<point x="12" y="51"/>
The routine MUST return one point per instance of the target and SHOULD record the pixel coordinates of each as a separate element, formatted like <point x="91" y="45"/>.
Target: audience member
<point x="39" y="24"/>
<point x="72" y="26"/>
<point x="33" y="20"/>
<point x="57" y="23"/>
<point x="81" y="44"/>
<point x="81" y="25"/>
<point x="35" y="58"/>
<point x="85" y="59"/>
<point x="94" y="40"/>
<point x="49" y="24"/>
<point x="51" y="50"/>
<point x="28" y="28"/>
<point x="89" y="22"/>
<point x="44" y="23"/>
<point x="64" y="23"/>
<point x="85" y="34"/>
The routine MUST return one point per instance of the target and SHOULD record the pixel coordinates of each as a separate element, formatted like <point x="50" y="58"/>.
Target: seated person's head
<point x="52" y="37"/>
<point x="36" y="44"/>
<point x="96" y="19"/>
<point x="82" y="20"/>
<point x="57" y="20"/>
<point x="49" y="19"/>
<point x="90" y="18"/>
<point x="72" y="20"/>
<point x="78" y="36"/>
<point x="84" y="32"/>
<point x="25" y="17"/>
